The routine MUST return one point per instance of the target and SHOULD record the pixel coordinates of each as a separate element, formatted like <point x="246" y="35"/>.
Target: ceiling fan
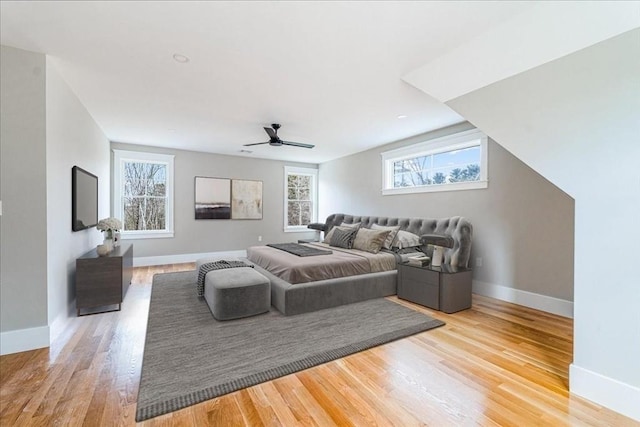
<point x="275" y="140"/>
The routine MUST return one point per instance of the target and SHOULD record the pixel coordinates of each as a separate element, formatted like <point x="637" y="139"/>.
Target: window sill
<point x="135" y="235"/>
<point x="300" y="229"/>
<point x="475" y="185"/>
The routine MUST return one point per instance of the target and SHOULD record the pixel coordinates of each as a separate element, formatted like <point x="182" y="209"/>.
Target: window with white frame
<point x="143" y="193"/>
<point x="454" y="162"/>
<point x="301" y="198"/>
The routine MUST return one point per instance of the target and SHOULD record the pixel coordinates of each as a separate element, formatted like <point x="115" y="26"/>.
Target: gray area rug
<point x="190" y="357"/>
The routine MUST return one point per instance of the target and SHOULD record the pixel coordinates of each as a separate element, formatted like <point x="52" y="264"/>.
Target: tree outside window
<point x="145" y="196"/>
<point x="441" y="168"/>
<point x="450" y="163"/>
<point x="301" y="197"/>
<point x="143" y="193"/>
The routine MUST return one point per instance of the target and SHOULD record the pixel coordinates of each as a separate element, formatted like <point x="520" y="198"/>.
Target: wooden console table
<point x="103" y="280"/>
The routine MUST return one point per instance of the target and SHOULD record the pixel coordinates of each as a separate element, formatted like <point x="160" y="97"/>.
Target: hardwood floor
<point x="495" y="364"/>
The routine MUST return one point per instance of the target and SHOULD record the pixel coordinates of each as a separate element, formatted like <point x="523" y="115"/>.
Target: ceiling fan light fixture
<point x="275" y="141"/>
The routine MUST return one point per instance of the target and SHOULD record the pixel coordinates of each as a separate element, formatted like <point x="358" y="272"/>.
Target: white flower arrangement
<point x="109" y="224"/>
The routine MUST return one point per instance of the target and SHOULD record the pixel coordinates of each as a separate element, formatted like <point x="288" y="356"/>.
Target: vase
<point x="116" y="239"/>
<point x="102" y="250"/>
<point x="108" y="240"/>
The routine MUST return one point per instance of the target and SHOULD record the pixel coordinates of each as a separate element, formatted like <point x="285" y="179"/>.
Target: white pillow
<point x="354" y="225"/>
<point x="404" y="239"/>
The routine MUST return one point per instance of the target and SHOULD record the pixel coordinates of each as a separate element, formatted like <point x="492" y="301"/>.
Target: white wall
<point x="575" y="120"/>
<point x="511" y="218"/>
<point x="73" y="139"/>
<point x="45" y="132"/>
<point x="23" y="224"/>
<point x="205" y="236"/>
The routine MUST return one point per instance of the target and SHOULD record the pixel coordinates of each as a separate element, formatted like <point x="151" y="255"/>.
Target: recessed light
<point x="402" y="116"/>
<point x="180" y="58"/>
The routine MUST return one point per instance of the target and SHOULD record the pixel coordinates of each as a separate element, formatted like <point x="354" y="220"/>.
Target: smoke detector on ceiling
<point x="180" y="58"/>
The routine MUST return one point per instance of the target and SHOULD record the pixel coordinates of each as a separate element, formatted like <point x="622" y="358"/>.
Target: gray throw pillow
<point x="393" y="232"/>
<point x="370" y="240"/>
<point x="343" y="226"/>
<point x="327" y="236"/>
<point x="343" y="238"/>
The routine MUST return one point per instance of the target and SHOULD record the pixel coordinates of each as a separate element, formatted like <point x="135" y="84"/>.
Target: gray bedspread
<point x="341" y="263"/>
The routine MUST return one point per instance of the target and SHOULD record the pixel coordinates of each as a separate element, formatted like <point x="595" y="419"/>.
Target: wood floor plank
<point x="267" y="414"/>
<point x="373" y="397"/>
<point x="496" y="364"/>
<point x="305" y="411"/>
<point x="277" y="403"/>
<point x="249" y="412"/>
<point x="308" y="404"/>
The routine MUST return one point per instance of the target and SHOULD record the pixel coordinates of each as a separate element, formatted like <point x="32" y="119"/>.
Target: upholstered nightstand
<point x="444" y="288"/>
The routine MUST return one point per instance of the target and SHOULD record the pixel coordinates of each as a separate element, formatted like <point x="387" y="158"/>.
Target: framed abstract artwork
<point x="246" y="199"/>
<point x="212" y="198"/>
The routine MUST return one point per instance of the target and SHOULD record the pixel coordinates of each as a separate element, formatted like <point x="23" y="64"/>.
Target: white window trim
<point x="433" y="146"/>
<point x="121" y="156"/>
<point x="314" y="196"/>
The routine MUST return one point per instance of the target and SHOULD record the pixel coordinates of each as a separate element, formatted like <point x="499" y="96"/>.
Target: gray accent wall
<point x="523" y="224"/>
<point x="193" y="236"/>
<point x="23" y="190"/>
<point x="576" y="120"/>
<point x="73" y="139"/>
<point x="45" y="131"/>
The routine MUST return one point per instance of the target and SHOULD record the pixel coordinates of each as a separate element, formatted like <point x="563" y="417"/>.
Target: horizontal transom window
<point x="454" y="162"/>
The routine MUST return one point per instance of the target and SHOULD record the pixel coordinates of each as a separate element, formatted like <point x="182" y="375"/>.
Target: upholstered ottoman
<point x="233" y="293"/>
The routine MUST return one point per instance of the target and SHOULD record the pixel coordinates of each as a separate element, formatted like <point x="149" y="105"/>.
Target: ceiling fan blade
<point x="297" y="144"/>
<point x="257" y="143"/>
<point x="271" y="133"/>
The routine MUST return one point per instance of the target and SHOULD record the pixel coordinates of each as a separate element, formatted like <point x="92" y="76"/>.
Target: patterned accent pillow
<point x="327" y="237"/>
<point x="370" y="240"/>
<point x="343" y="238"/>
<point x="404" y="239"/>
<point x="393" y="232"/>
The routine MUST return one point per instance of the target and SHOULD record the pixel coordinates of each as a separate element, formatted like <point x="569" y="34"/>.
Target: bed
<point x="340" y="262"/>
<point x="304" y="284"/>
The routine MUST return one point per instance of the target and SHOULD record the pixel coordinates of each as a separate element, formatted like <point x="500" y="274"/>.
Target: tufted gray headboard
<point x="456" y="227"/>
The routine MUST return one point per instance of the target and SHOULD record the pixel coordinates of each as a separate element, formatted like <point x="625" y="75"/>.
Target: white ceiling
<point x="545" y="33"/>
<point x="329" y="72"/>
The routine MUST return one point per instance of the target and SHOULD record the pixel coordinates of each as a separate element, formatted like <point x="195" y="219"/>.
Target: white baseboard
<point x="61" y="321"/>
<point x="181" y="258"/>
<point x="605" y="391"/>
<point x="24" y="340"/>
<point x="528" y="299"/>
